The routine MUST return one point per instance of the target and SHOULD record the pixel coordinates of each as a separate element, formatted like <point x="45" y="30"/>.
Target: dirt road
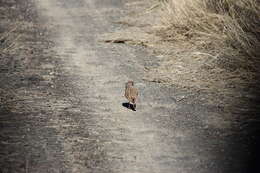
<point x="85" y="128"/>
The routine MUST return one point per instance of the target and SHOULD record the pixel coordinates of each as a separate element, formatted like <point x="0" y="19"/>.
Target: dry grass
<point x="213" y="45"/>
<point x="222" y="28"/>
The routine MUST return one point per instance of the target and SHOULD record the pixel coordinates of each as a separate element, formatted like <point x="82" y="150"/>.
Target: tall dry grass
<point x="223" y="28"/>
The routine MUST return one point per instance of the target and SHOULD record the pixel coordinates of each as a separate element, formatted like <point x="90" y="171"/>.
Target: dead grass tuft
<point x="222" y="28"/>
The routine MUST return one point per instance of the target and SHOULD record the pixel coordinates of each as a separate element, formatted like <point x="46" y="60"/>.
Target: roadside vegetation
<point x="213" y="45"/>
<point x="216" y="49"/>
<point x="222" y="39"/>
<point x="227" y="30"/>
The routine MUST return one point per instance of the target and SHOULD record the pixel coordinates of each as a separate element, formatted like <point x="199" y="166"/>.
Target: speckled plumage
<point x="131" y="93"/>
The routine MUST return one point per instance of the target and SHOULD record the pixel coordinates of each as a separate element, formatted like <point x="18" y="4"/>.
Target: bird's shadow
<point x="128" y="106"/>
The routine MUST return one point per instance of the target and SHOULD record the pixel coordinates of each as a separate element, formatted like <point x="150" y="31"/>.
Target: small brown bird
<point x="131" y="94"/>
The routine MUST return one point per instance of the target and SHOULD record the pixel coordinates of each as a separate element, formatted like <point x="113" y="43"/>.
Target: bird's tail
<point x="134" y="100"/>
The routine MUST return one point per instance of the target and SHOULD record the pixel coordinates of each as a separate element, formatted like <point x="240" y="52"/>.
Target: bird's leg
<point x="134" y="106"/>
